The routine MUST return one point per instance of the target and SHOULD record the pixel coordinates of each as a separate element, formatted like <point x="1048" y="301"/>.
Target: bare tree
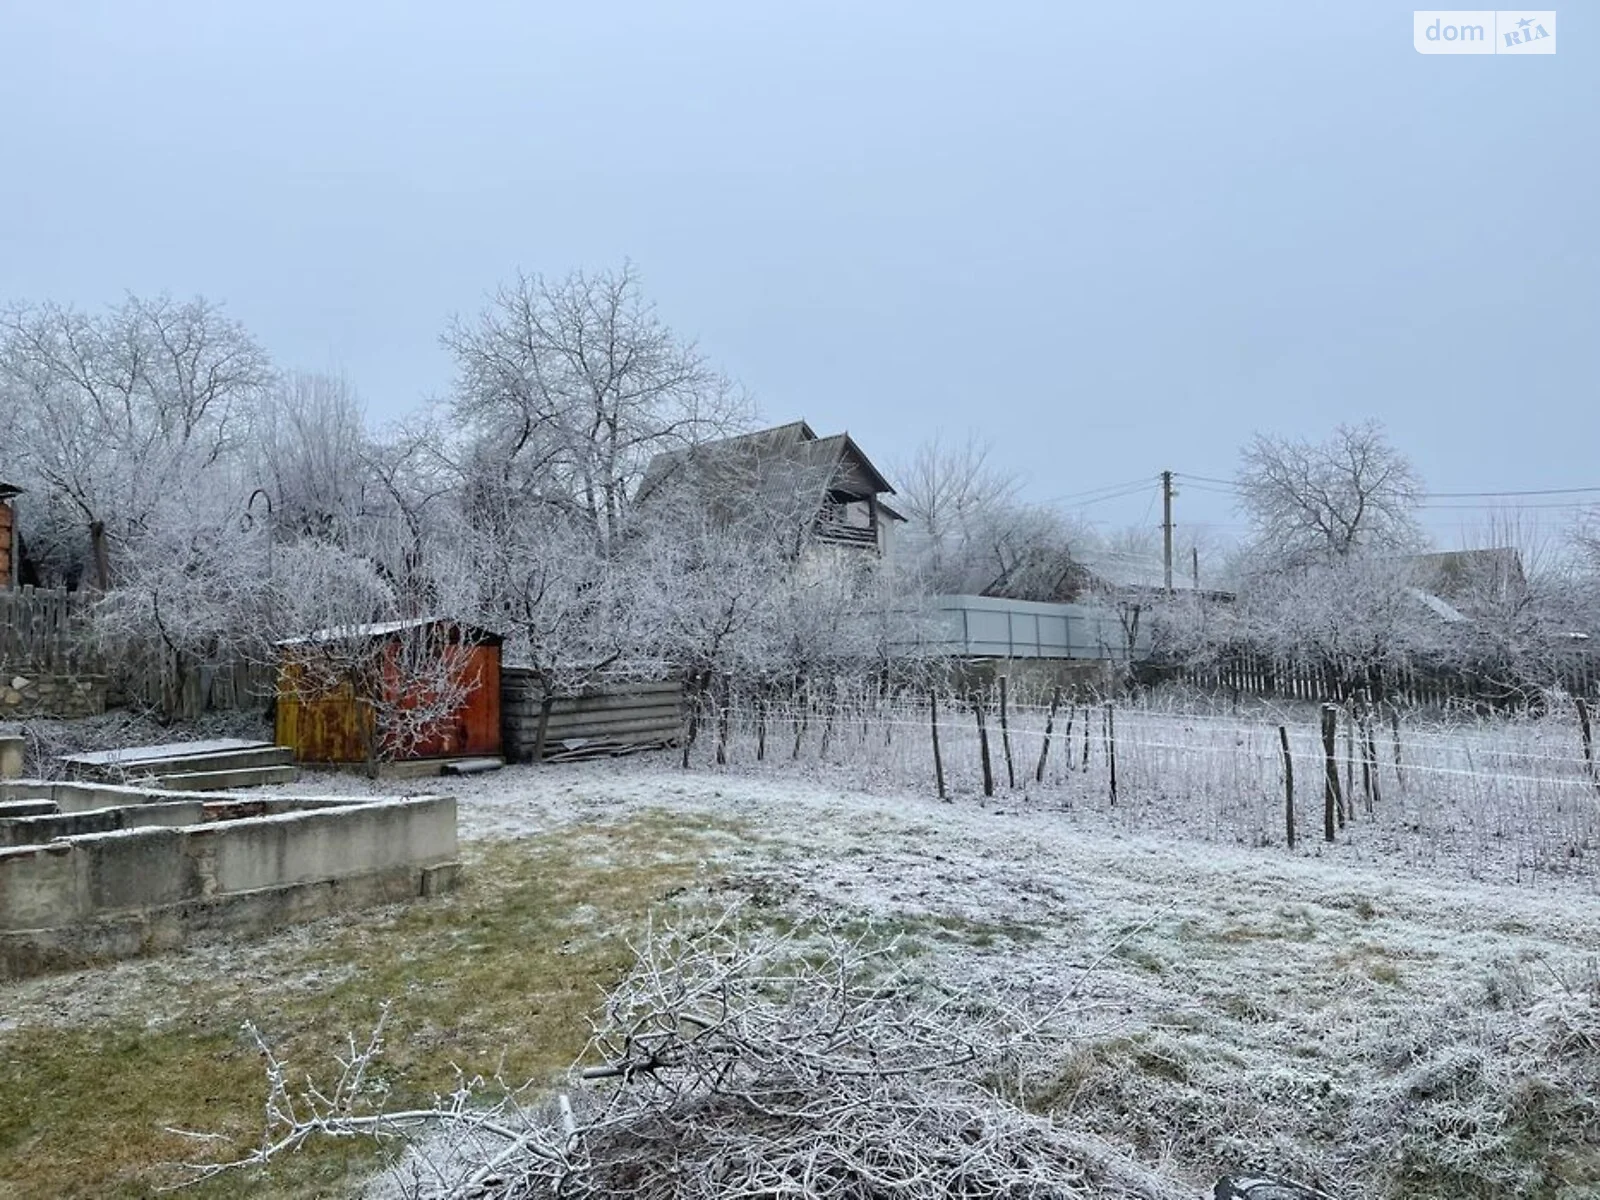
<point x="1331" y="500"/>
<point x="356" y="641"/>
<point x="968" y="531"/>
<point x="309" y="454"/>
<point x="107" y="409"/>
<point x="572" y="386"/>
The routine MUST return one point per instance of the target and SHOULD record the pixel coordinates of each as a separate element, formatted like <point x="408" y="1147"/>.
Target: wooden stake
<point x="938" y="763"/>
<point x="1005" y="737"/>
<point x="983" y="747"/>
<point x="1586" y="732"/>
<point x="1049" y="724"/>
<point x="1111" y="750"/>
<point x="1330" y="762"/>
<point x="1288" y="786"/>
<point x="1369" y="765"/>
<point x="1394" y="727"/>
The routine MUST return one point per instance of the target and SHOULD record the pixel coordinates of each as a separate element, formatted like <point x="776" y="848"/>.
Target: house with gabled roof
<point x="827" y="486"/>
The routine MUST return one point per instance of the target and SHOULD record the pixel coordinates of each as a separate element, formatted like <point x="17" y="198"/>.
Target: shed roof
<point x="382" y="629"/>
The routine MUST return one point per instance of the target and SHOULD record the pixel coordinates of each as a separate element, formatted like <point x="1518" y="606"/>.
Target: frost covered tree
<point x="967" y="529"/>
<point x="1350" y="494"/>
<point x="346" y="628"/>
<point x="309" y="454"/>
<point x="107" y="409"/>
<point x="568" y="388"/>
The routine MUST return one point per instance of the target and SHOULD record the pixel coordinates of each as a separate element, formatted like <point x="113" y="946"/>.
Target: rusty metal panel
<point x="334" y="727"/>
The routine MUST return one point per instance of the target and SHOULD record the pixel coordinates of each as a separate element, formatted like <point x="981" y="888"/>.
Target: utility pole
<point x="1166" y="528"/>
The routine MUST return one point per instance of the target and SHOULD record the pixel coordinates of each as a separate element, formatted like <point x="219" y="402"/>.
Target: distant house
<point x="1461" y="574"/>
<point x="826" y="486"/>
<point x="9" y="544"/>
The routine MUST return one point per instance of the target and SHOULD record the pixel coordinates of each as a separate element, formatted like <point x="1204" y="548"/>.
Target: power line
<point x="1133" y="484"/>
<point x="1132" y="491"/>
<point x="1230" y="487"/>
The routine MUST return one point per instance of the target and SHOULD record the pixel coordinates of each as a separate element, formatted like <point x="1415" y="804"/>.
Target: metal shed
<point x="334" y="724"/>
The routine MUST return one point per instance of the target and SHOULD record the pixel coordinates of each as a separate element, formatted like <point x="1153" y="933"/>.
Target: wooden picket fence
<point x="43" y="629"/>
<point x="1258" y="675"/>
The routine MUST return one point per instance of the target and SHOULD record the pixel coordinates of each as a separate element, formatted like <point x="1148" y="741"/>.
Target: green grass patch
<point x="497" y="978"/>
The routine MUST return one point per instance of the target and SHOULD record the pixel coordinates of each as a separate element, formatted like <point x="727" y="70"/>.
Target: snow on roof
<point x="1446" y="611"/>
<point x="379" y="629"/>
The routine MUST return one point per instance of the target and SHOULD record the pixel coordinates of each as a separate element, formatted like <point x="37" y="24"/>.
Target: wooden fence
<point x="46" y="630"/>
<point x="43" y="629"/>
<point x="610" y="718"/>
<point x="1246" y="674"/>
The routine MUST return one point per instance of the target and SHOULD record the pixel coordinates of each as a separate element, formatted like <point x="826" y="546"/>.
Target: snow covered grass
<point x="96" y="1066"/>
<point x="1384" y="1032"/>
<point x="1377" y="1016"/>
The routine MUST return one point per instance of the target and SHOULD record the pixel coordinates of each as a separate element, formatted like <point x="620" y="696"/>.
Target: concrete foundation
<point x="95" y="881"/>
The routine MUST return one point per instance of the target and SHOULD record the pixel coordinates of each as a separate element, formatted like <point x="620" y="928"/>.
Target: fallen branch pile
<point x="734" y="1065"/>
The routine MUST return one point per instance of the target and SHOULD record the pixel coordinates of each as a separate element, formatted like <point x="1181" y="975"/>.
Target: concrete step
<point x="217" y="781"/>
<point x="179" y="758"/>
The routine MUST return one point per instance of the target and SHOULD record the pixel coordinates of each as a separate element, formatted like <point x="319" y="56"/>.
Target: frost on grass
<point x="734" y="1063"/>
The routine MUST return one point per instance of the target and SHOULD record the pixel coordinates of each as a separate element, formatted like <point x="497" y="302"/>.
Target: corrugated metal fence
<point x="613" y="717"/>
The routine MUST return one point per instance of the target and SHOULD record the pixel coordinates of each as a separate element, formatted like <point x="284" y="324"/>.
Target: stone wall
<point x="28" y="693"/>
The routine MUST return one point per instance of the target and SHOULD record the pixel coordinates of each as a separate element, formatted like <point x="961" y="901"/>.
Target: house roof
<point x="782" y="462"/>
<point x="383" y="629"/>
<point x="1453" y="572"/>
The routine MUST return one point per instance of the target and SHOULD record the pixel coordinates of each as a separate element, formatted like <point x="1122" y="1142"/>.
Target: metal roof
<point x="382" y="629"/>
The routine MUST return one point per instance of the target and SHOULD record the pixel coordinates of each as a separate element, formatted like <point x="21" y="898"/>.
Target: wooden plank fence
<point x="1246" y="674"/>
<point x="43" y="629"/>
<point x="614" y="715"/>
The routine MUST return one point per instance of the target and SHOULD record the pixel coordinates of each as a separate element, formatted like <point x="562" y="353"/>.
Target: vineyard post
<point x="1005" y="737"/>
<point x="1049" y="725"/>
<point x="1288" y="785"/>
<point x="1330" y="774"/>
<point x="1111" y="750"/>
<point x="983" y="744"/>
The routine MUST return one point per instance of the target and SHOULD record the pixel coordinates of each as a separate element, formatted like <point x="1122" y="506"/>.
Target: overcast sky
<point x="1114" y="239"/>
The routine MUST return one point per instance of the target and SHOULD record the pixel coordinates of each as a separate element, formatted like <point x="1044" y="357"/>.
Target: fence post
<point x="761" y="728"/>
<point x="1288" y="785"/>
<point x="1348" y="800"/>
<point x="1586" y="733"/>
<point x="983" y="746"/>
<point x="1005" y="737"/>
<point x="1330" y="762"/>
<point x="1085" y="737"/>
<point x="1111" y="749"/>
<point x="1369" y="764"/>
<point x="1049" y="724"/>
<point x="723" y="702"/>
<point x="1394" y="728"/>
<point x="938" y="763"/>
